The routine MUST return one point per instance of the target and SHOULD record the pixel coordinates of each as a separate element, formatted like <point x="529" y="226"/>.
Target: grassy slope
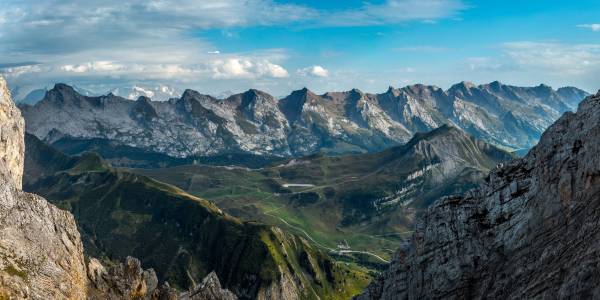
<point x="184" y="237"/>
<point x="346" y="187"/>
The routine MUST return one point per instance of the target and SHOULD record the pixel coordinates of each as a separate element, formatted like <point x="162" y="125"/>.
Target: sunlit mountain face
<point x="299" y="149"/>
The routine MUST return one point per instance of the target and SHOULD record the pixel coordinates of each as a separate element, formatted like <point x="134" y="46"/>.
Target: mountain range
<point x="303" y="123"/>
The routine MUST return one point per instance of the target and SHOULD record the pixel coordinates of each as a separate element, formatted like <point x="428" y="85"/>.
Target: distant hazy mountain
<point x="32" y="96"/>
<point x="301" y="123"/>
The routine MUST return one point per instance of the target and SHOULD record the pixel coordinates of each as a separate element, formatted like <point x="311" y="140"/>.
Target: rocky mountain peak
<point x="291" y="106"/>
<point x="495" y="85"/>
<point x="392" y="92"/>
<point x="253" y="96"/>
<point x="571" y="95"/>
<point x="441" y="133"/>
<point x="143" y="99"/>
<point x="469" y="84"/>
<point x="427" y="93"/>
<point x="354" y="95"/>
<point x="62" y="94"/>
<point x="463" y="86"/>
<point x="543" y="90"/>
<point x="356" y="92"/>
<point x="63" y="88"/>
<point x="189" y="93"/>
<point x="143" y="110"/>
<point x="302" y="94"/>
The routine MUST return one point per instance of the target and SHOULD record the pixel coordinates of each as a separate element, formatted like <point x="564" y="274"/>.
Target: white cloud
<point x="396" y="11"/>
<point x="315" y="71"/>
<point x="559" y="58"/>
<point x="593" y="27"/>
<point x="101" y="66"/>
<point x="482" y="63"/>
<point x="16" y="71"/>
<point x="245" y="68"/>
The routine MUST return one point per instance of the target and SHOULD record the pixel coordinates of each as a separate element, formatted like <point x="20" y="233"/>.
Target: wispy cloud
<point x="394" y="11"/>
<point x="593" y="27"/>
<point x="427" y="49"/>
<point x="559" y="58"/>
<point x="314" y="71"/>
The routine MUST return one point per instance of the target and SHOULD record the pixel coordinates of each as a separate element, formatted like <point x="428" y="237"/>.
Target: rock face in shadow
<point x="531" y="232"/>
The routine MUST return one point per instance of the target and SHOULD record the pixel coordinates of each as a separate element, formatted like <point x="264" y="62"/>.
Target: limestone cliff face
<point x="41" y="255"/>
<point x="530" y="233"/>
<point x="12" y="145"/>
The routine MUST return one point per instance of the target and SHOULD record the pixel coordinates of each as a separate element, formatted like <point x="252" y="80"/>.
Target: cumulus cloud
<point x="315" y="71"/>
<point x="245" y="68"/>
<point x="593" y="27"/>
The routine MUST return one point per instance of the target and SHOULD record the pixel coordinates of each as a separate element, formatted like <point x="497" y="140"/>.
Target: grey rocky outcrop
<point x="129" y="280"/>
<point x="530" y="233"/>
<point x="209" y="289"/>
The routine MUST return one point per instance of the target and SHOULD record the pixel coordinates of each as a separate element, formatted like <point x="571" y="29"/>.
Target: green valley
<point x="357" y="207"/>
<point x="183" y="237"/>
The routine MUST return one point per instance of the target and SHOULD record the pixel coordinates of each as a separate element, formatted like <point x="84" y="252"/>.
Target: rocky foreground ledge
<point x="41" y="254"/>
<point x="532" y="232"/>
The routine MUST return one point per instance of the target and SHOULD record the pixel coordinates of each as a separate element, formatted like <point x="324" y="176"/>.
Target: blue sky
<point x="279" y="46"/>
